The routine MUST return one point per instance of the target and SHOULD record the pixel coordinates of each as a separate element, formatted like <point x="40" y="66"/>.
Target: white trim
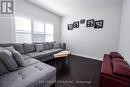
<point x="96" y="58"/>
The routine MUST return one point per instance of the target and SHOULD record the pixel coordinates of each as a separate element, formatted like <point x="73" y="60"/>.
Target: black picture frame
<point x="82" y="21"/>
<point x="70" y="26"/>
<point x="98" y="24"/>
<point x="90" y="23"/>
<point x="76" y="24"/>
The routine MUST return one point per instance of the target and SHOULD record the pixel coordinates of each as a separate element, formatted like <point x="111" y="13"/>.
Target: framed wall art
<point x="70" y="26"/>
<point x="98" y="24"/>
<point x="90" y="23"/>
<point x="82" y="21"/>
<point x="76" y="24"/>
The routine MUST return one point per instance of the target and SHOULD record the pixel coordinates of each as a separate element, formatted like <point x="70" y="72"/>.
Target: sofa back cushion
<point x="29" y="48"/>
<point x="18" y="46"/>
<point x="17" y="56"/>
<point x="51" y="44"/>
<point x="3" y="69"/>
<point x="115" y="55"/>
<point x="56" y="45"/>
<point x="39" y="47"/>
<point x="7" y="59"/>
<point x="120" y="67"/>
<point x="45" y="46"/>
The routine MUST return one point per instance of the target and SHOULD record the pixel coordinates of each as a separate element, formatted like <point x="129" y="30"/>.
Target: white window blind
<point x="38" y="31"/>
<point x="49" y="30"/>
<point x="28" y="30"/>
<point x="23" y="29"/>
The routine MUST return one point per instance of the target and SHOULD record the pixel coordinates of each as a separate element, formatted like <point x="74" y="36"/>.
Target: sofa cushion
<point x="44" y="53"/>
<point x="56" y="45"/>
<point x="39" y="47"/>
<point x="120" y="67"/>
<point x="63" y="46"/>
<point x="31" y="61"/>
<point x="29" y="48"/>
<point x="17" y="56"/>
<point x="19" y="47"/>
<point x="45" y="46"/>
<point x="26" y="57"/>
<point x="51" y="44"/>
<point x="38" y="55"/>
<point x="29" y="76"/>
<point x="7" y="59"/>
<point x="115" y="55"/>
<point x="3" y="69"/>
<point x="55" y="50"/>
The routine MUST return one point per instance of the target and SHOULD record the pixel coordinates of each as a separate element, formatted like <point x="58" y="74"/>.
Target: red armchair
<point x="115" y="72"/>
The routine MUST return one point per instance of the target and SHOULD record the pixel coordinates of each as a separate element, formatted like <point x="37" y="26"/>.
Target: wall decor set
<point x="97" y="24"/>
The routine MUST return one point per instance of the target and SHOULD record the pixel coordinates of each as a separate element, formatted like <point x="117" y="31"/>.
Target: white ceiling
<point x="67" y="7"/>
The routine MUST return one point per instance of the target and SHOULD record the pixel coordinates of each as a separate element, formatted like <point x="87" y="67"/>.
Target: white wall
<point x="6" y="29"/>
<point x="124" y="45"/>
<point x="27" y="9"/>
<point x="89" y="42"/>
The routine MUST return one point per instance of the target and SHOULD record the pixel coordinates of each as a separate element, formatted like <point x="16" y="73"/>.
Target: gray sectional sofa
<point x="33" y="72"/>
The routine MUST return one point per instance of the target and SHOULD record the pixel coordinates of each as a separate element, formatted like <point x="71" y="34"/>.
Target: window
<point x="49" y="32"/>
<point x="23" y="29"/>
<point x="38" y="31"/>
<point x="28" y="30"/>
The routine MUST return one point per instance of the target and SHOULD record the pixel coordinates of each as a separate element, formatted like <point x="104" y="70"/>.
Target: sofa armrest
<point x="63" y="46"/>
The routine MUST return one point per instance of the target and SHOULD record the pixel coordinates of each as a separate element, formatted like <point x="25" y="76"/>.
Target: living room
<point x="74" y="43"/>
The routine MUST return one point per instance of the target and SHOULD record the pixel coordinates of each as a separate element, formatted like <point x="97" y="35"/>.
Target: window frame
<point x="22" y="32"/>
<point x="32" y="28"/>
<point x="49" y="34"/>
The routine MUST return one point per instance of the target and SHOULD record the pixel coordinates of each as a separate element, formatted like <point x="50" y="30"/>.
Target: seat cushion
<point x="7" y="59"/>
<point x="38" y="55"/>
<point x="29" y="48"/>
<point x="26" y="57"/>
<point x="54" y="50"/>
<point x="44" y="53"/>
<point x="28" y="76"/>
<point x="31" y="61"/>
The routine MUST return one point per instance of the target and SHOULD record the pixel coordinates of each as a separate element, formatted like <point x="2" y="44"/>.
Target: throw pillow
<point x="17" y="56"/>
<point x="39" y="47"/>
<point x="29" y="48"/>
<point x="56" y="45"/>
<point x="7" y="59"/>
<point x="45" y="46"/>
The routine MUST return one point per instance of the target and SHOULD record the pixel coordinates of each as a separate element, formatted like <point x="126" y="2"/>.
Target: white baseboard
<point x="96" y="58"/>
